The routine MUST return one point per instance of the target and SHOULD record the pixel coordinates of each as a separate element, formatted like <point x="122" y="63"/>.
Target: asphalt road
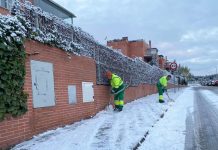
<point x="202" y="123"/>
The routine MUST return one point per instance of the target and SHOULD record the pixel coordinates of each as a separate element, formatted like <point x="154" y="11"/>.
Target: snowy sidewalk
<point x="108" y="130"/>
<point x="169" y="133"/>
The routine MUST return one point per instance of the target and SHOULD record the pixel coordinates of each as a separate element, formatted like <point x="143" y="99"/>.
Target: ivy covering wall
<point x="13" y="100"/>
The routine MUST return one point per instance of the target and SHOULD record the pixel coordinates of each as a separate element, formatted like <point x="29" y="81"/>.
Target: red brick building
<point x="136" y="48"/>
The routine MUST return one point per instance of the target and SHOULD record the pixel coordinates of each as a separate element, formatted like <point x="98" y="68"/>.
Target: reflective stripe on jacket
<point x="163" y="81"/>
<point x="116" y="81"/>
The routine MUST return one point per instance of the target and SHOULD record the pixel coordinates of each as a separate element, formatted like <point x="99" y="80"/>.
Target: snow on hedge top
<point x="11" y="28"/>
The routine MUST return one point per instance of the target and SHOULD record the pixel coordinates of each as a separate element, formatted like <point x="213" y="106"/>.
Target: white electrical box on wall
<point x="88" y="91"/>
<point x="42" y="84"/>
<point x="72" y="94"/>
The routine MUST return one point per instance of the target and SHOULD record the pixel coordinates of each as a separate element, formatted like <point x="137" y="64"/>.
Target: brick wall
<point x="137" y="49"/>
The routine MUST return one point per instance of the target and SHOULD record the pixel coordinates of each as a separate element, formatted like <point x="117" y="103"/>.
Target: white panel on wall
<point x="72" y="94"/>
<point x="88" y="91"/>
<point x="42" y="84"/>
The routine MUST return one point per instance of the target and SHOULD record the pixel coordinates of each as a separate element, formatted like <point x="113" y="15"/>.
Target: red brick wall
<point x="66" y="71"/>
<point x="133" y="93"/>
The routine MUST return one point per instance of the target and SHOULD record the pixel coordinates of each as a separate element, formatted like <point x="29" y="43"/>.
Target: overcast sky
<point x="185" y="30"/>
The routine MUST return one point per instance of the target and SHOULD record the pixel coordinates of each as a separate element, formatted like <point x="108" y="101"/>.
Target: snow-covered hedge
<point x="49" y="29"/>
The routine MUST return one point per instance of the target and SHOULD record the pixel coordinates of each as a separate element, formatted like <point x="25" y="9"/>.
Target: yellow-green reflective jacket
<point x="163" y="81"/>
<point x="116" y="81"/>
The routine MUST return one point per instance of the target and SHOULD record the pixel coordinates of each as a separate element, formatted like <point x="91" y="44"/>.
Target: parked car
<point x="216" y="83"/>
<point x="209" y="83"/>
<point x="213" y="83"/>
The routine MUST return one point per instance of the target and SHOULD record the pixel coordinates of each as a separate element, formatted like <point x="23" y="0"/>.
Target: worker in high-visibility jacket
<point x="162" y="86"/>
<point x="117" y="88"/>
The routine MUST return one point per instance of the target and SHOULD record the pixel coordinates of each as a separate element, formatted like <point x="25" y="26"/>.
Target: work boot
<point x="161" y="101"/>
<point x="116" y="109"/>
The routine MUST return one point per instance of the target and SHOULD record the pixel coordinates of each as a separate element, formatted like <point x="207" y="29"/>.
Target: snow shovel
<point x="169" y="97"/>
<point x="110" y="106"/>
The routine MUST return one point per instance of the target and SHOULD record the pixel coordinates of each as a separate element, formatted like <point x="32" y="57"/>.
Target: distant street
<point x="202" y="124"/>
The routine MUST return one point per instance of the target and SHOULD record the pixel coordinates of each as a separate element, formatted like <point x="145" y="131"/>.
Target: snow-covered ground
<point x="169" y="132"/>
<point x="110" y="130"/>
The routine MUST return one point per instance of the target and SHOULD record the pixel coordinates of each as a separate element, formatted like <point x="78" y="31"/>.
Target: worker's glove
<point x="164" y="90"/>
